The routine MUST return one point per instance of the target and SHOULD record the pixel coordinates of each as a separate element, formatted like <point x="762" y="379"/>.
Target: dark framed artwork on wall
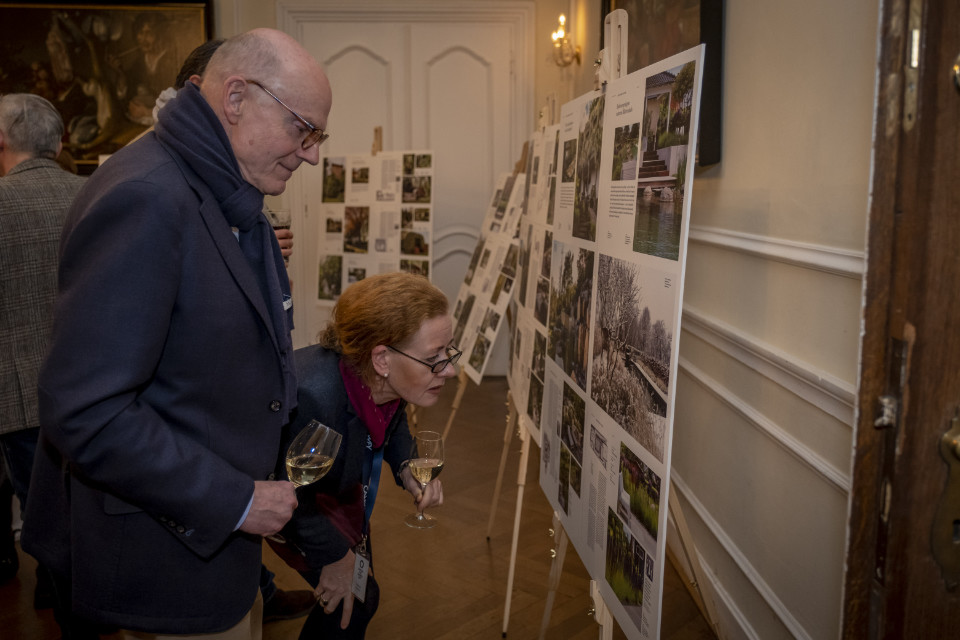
<point x="102" y="65"/>
<point x="658" y="29"/>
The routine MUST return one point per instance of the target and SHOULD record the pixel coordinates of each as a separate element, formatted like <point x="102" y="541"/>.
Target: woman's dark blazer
<point x="330" y="518"/>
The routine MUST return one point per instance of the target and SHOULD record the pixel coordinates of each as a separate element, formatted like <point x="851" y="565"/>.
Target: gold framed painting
<point x="102" y="65"/>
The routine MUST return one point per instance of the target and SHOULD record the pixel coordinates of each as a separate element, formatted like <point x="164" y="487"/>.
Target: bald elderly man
<point x="170" y="369"/>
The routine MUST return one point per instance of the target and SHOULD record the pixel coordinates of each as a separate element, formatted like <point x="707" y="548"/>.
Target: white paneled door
<point x="456" y="78"/>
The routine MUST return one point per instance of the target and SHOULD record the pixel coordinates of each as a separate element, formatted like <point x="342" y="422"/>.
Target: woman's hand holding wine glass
<point x="425" y="464"/>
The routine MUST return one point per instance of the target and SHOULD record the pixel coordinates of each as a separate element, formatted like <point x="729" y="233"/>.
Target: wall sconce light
<point x="564" y="52"/>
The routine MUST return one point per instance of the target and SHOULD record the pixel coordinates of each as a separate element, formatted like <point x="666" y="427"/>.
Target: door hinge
<point x="887" y="408"/>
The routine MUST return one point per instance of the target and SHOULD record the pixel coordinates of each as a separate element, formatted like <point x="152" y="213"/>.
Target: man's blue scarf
<point x="189" y="127"/>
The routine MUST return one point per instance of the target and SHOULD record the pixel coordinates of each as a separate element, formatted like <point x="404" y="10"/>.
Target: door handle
<point x="945" y="538"/>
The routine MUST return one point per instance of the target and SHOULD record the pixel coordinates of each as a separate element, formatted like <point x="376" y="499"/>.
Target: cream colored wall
<point x="772" y="301"/>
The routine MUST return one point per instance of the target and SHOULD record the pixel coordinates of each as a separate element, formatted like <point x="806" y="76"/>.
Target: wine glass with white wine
<point x="312" y="452"/>
<point x="309" y="457"/>
<point x="426" y="463"/>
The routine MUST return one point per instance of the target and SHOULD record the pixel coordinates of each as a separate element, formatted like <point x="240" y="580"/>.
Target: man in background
<point x="170" y="369"/>
<point x="35" y="193"/>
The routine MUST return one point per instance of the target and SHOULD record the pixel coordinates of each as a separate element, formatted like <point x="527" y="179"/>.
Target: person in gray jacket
<point x="35" y="193"/>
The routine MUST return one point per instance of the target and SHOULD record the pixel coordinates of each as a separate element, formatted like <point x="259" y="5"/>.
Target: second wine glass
<point x="426" y="463"/>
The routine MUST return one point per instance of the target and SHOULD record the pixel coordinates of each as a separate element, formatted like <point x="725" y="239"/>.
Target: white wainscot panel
<point x="777" y="509"/>
<point x="798" y="403"/>
<point x="812" y="315"/>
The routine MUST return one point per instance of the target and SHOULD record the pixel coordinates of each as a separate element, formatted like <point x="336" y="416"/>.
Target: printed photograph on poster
<point x="546" y="262"/>
<point x="542" y="302"/>
<point x="569" y="160"/>
<point x="355" y="274"/>
<point x="474" y="261"/>
<point x="571" y="294"/>
<point x="504" y="286"/>
<point x="572" y="422"/>
<point x="598" y="444"/>
<point x="535" y="399"/>
<point x="526" y="247"/>
<point x="633" y="341"/>
<point x="638" y="498"/>
<point x="414" y="242"/>
<point x="563" y="484"/>
<point x="334" y="224"/>
<point x="416" y="267"/>
<point x="356" y="229"/>
<point x="479" y="352"/>
<point x="359" y="178"/>
<point x="504" y="199"/>
<point x="462" y="315"/>
<point x="626" y="141"/>
<point x="624" y="567"/>
<point x="334" y="184"/>
<point x="412" y="162"/>
<point x="539" y="354"/>
<point x="329" y="274"/>
<point x="588" y="171"/>
<point x="665" y="148"/>
<point x="416" y="189"/>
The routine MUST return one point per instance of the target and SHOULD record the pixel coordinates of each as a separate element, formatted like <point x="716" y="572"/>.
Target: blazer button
<point x="181" y="529"/>
<point x="272" y="476"/>
<point x="275" y="406"/>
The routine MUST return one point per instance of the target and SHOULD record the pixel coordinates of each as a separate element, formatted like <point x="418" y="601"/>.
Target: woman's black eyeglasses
<point x="452" y="352"/>
<point x="315" y="135"/>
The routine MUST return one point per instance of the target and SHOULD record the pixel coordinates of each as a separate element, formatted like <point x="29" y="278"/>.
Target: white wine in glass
<point x="426" y="463"/>
<point x="309" y="457"/>
<point x="311" y="453"/>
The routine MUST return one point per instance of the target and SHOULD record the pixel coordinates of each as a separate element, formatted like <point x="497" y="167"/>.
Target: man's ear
<point x="234" y="93"/>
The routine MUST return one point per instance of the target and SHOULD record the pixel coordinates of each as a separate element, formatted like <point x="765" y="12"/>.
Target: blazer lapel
<point x="236" y="262"/>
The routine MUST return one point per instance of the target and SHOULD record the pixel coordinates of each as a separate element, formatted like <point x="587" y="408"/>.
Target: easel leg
<point x="704" y="601"/>
<point x="556" y="569"/>
<point x="461" y="387"/>
<point x="601" y="613"/>
<point x="507" y="436"/>
<point x="521" y="481"/>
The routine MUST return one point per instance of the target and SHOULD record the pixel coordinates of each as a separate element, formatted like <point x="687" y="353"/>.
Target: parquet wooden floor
<point x="448" y="583"/>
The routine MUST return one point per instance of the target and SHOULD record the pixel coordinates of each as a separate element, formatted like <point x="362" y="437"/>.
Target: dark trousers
<point x="18" y="449"/>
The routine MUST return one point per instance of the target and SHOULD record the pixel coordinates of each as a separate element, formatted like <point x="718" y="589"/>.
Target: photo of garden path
<point x="631" y="355"/>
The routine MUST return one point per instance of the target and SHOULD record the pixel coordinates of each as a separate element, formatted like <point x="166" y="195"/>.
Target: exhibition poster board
<point x="487" y="288"/>
<point x="376" y="217"/>
<point x="598" y="311"/>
